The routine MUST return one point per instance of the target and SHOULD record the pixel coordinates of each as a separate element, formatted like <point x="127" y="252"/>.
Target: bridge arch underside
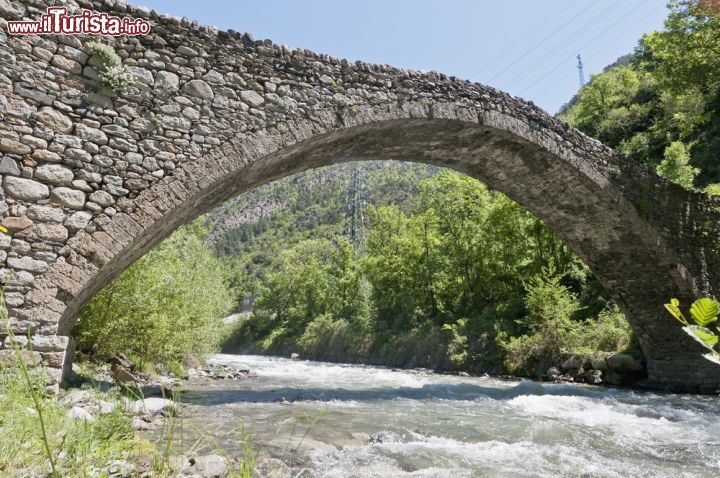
<point x="571" y="191"/>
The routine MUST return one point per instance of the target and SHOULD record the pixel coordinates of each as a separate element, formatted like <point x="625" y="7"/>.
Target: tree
<point x="676" y="165"/>
<point x="166" y="305"/>
<point x="686" y="54"/>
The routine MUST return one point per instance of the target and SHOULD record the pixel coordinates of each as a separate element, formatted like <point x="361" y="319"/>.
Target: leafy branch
<point x="703" y="312"/>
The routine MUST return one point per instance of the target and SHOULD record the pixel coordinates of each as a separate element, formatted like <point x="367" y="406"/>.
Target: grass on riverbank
<point x="40" y="437"/>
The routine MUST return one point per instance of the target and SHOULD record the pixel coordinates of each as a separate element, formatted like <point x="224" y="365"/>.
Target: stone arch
<point x="93" y="178"/>
<point x="561" y="185"/>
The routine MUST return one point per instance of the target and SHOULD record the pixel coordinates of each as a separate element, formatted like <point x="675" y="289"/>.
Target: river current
<point x="339" y="420"/>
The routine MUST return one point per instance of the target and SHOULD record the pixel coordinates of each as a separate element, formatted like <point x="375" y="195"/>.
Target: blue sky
<point x="525" y="47"/>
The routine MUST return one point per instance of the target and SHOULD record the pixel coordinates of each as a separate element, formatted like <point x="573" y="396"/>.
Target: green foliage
<point x="434" y="285"/>
<point x="713" y="189"/>
<point x="685" y="53"/>
<point x="106" y="53"/>
<point x="553" y="335"/>
<point x="75" y="445"/>
<point x="310" y="205"/>
<point x="662" y="107"/>
<point x="115" y="77"/>
<point x="549" y="327"/>
<point x="457" y="341"/>
<point x="165" y="306"/>
<point x="675" y="165"/>
<point x="704" y="312"/>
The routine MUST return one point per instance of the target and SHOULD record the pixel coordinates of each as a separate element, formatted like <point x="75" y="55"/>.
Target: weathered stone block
<point x="55" y="120"/>
<point x="9" y="166"/>
<point x="78" y="220"/>
<point x="102" y="198"/>
<point x="27" y="263"/>
<point x="68" y="197"/>
<point x="54" y="174"/>
<point x="25" y="189"/>
<point x="93" y="135"/>
<point x="167" y="80"/>
<point x="46" y="213"/>
<point x="252" y="98"/>
<point x="13" y="147"/>
<point x="198" y="89"/>
<point x="51" y="232"/>
<point x="66" y="64"/>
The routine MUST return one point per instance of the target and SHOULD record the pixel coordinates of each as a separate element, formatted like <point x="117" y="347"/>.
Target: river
<point x="338" y="420"/>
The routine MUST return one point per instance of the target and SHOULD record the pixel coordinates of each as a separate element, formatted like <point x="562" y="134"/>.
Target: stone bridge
<point x="93" y="178"/>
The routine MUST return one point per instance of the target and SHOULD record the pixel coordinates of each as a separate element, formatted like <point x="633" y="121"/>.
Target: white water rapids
<point x="362" y="421"/>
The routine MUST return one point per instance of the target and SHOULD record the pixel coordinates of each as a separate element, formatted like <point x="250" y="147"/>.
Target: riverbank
<point x="596" y="368"/>
<point x="104" y="427"/>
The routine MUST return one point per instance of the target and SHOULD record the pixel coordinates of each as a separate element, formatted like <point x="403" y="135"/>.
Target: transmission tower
<point x="355" y="210"/>
<point x="581" y="73"/>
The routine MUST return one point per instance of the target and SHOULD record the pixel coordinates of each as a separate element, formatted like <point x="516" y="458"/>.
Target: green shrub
<point x="611" y="332"/>
<point x="326" y="337"/>
<point x="457" y="341"/>
<point x="554" y="333"/>
<point x="169" y="304"/>
<point x="115" y="77"/>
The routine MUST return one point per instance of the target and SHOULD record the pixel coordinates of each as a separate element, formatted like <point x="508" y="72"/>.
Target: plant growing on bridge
<point x="112" y="73"/>
<point x="703" y="312"/>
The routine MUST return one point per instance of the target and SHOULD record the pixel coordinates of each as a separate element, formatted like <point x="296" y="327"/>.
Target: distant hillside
<point x="251" y="229"/>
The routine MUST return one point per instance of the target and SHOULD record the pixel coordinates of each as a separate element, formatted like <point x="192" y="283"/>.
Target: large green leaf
<point x="702" y="335"/>
<point x="705" y="311"/>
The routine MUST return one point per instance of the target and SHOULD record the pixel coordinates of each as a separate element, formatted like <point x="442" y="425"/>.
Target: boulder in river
<point x="593" y="377"/>
<point x="597" y="361"/>
<point x="553" y="373"/>
<point x="623" y="362"/>
<point x="272" y="468"/>
<point x="526" y="387"/>
<point x="573" y="363"/>
<point x="295" y="356"/>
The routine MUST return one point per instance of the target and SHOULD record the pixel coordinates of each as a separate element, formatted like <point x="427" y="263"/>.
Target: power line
<point x="586" y="44"/>
<point x="630" y="27"/>
<point x="536" y="45"/>
<point x="597" y="50"/>
<point x="517" y="44"/>
<point x="533" y="65"/>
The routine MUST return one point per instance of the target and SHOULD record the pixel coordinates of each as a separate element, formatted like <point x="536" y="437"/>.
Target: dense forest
<point x="451" y="282"/>
<point x="447" y="273"/>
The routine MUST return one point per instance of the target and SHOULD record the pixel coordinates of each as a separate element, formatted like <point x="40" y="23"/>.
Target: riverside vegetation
<point x="90" y="432"/>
